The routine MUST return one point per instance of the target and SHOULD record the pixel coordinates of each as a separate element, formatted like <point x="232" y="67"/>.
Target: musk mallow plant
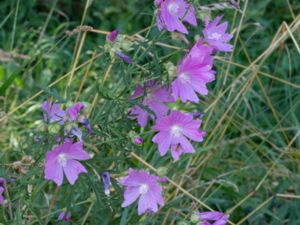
<point x="159" y="108"/>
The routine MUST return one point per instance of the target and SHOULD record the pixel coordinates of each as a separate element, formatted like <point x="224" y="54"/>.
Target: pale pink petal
<point x="72" y="169"/>
<point x="53" y="170"/>
<point x="130" y="195"/>
<point x="76" y="151"/>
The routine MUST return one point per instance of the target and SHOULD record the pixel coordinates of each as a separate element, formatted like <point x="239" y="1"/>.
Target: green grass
<point x="248" y="164"/>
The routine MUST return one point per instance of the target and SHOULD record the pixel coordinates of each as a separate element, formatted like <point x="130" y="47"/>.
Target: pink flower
<point x="193" y="73"/>
<point x="216" y="35"/>
<point x="63" y="159"/>
<point x="65" y="216"/>
<point x="1" y="197"/>
<point x="142" y="185"/>
<point x="155" y="97"/>
<point x="111" y="37"/>
<point x="175" y="131"/>
<point x="218" y="218"/>
<point x="171" y="12"/>
<point x="53" y="113"/>
<point x="74" y="111"/>
<point x="138" y="140"/>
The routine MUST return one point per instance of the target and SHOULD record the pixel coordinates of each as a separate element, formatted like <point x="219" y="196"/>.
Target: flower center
<point x="176" y="131"/>
<point x="62" y="159"/>
<point x="173" y="8"/>
<point x="184" y="78"/>
<point x="215" y="36"/>
<point x="143" y="189"/>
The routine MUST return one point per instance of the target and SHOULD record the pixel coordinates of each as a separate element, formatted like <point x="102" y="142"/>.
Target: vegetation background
<point x="248" y="165"/>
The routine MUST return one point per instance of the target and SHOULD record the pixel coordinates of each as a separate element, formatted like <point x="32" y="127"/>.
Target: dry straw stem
<point x="75" y="63"/>
<point x="86" y="74"/>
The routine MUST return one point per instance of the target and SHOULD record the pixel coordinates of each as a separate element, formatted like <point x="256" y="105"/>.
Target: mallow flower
<point x="155" y="97"/>
<point x="140" y="184"/>
<point x="53" y="113"/>
<point x="75" y="110"/>
<point x="64" y="159"/>
<point x="193" y="73"/>
<point x="218" y="218"/>
<point x="171" y="14"/>
<point x="216" y="36"/>
<point x="175" y="131"/>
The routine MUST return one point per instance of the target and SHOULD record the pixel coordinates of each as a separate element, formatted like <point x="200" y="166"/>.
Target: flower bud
<point x="171" y="69"/>
<point x="138" y="140"/>
<point x="163" y="179"/>
<point x="162" y="171"/>
<point x="54" y="128"/>
<point x="194" y="218"/>
<point x="126" y="45"/>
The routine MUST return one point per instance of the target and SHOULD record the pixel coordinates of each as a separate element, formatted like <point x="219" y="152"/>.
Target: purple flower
<point x="53" y="113"/>
<point x="218" y="218"/>
<point x="216" y="35"/>
<point x="154" y="100"/>
<point x="193" y="73"/>
<point x="175" y="131"/>
<point x="87" y="125"/>
<point x="142" y="185"/>
<point x="74" y="111"/>
<point x="111" y="37"/>
<point x="65" y="216"/>
<point x="1" y="197"/>
<point x="124" y="57"/>
<point x="138" y="140"/>
<point x="63" y="160"/>
<point x="171" y="12"/>
<point x="106" y="180"/>
<point x="163" y="180"/>
<point x="75" y="131"/>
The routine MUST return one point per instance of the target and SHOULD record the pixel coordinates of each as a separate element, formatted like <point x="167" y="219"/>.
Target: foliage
<point x="247" y="165"/>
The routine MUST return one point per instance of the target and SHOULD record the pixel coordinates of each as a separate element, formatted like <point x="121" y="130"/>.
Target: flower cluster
<point x="115" y="43"/>
<point x="174" y="130"/>
<point x="64" y="158"/>
<point x="70" y="120"/>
